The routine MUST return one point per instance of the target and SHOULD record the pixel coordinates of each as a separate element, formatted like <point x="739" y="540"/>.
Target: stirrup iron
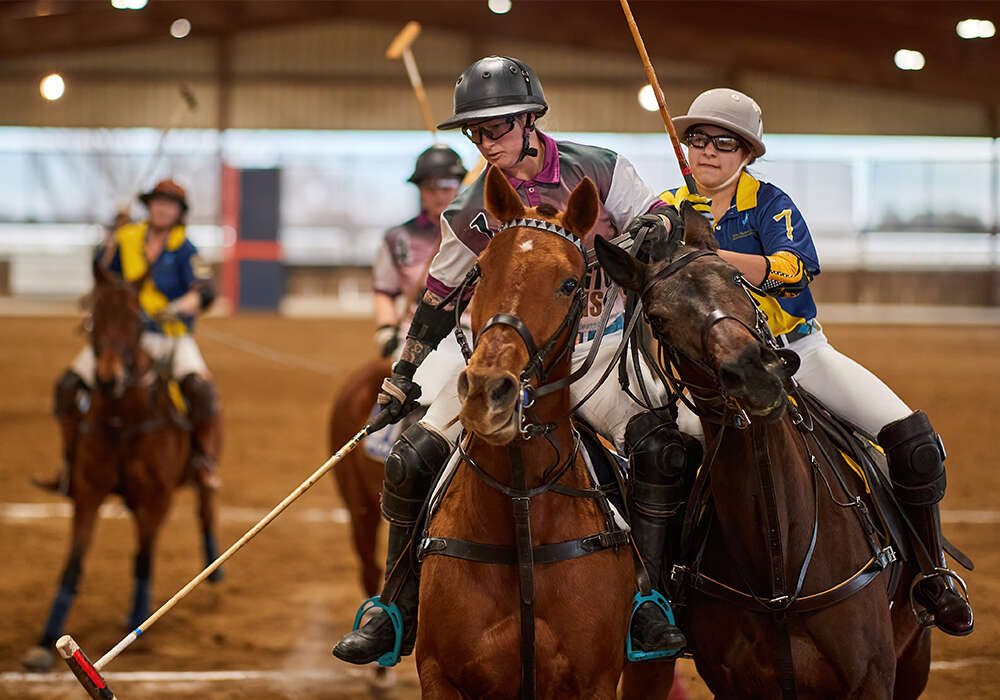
<point x="923" y="615"/>
<point x="389" y="658"/>
<point x="657" y="599"/>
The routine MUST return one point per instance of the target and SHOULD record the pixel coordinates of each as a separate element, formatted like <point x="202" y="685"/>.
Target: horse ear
<point x="501" y="200"/>
<point x="102" y="275"/>
<point x="582" y="208"/>
<point x="697" y="229"/>
<point x="629" y="273"/>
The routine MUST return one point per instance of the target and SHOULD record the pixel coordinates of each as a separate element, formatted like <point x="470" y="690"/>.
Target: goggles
<point x="476" y="132"/>
<point x="722" y="142"/>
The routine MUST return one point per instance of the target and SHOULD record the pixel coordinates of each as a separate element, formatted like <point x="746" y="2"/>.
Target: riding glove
<point x="658" y="227"/>
<point x="387" y="339"/>
<point x="701" y="204"/>
<point x="398" y="396"/>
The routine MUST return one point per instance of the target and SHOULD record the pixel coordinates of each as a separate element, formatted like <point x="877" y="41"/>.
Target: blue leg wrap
<point x="390" y="658"/>
<point x="140" y="603"/>
<point x="211" y="549"/>
<point x="57" y="615"/>
<point x="657" y="599"/>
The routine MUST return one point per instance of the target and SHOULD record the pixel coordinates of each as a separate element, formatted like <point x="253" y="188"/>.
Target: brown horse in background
<point x="470" y="627"/>
<point x="782" y="603"/>
<point x="132" y="442"/>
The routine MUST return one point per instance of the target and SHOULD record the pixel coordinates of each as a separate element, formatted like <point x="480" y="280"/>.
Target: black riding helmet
<point x="497" y="86"/>
<point x="439" y="162"/>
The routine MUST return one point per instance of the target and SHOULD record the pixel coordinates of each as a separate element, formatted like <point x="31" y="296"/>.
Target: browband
<point x="545" y="226"/>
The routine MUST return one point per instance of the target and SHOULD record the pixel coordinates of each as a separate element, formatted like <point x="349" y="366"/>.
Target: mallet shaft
<point x="249" y="535"/>
<point x="418" y="90"/>
<point x="660" y="101"/>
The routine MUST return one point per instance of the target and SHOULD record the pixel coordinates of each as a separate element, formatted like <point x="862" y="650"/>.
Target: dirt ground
<point x="293" y="591"/>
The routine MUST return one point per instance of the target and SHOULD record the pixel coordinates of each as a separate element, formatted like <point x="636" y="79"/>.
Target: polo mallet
<point x="400" y="48"/>
<point x="89" y="673"/>
<point x="662" y="103"/>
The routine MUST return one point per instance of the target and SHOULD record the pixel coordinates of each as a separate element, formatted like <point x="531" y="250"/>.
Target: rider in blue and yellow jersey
<point x="178" y="288"/>
<point x="762" y="233"/>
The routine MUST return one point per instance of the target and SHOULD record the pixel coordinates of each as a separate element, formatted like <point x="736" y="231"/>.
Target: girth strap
<point x="542" y="554"/>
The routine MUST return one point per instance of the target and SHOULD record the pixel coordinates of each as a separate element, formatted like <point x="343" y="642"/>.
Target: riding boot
<point x="410" y="470"/>
<point x="71" y="401"/>
<point x="916" y="465"/>
<point x="658" y="458"/>
<point x="206" y="428"/>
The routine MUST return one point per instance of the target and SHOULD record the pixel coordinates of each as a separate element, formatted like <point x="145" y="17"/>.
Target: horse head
<point x="697" y="306"/>
<point x="528" y="298"/>
<point x="115" y="329"/>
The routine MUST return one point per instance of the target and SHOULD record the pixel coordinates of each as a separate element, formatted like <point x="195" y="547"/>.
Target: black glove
<point x="398" y="396"/>
<point x="387" y="339"/>
<point x="657" y="232"/>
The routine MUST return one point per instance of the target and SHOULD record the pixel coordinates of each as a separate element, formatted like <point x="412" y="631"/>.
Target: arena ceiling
<point x="849" y="42"/>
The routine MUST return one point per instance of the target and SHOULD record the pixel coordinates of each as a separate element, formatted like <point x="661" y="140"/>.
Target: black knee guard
<point x="413" y="462"/>
<point x="202" y="399"/>
<point x="66" y="395"/>
<point x="916" y="459"/>
<point x="663" y="461"/>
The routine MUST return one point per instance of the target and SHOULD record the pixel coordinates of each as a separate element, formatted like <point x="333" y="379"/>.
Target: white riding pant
<point x="843" y="385"/>
<point x="439" y="368"/>
<point x="187" y="358"/>
<point x="608" y="411"/>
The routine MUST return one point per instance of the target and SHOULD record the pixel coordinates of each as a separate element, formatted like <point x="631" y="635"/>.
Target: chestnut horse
<point x="132" y="442"/>
<point x="781" y="603"/>
<point x="509" y="626"/>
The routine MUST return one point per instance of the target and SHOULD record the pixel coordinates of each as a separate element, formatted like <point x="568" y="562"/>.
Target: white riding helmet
<point x="729" y="109"/>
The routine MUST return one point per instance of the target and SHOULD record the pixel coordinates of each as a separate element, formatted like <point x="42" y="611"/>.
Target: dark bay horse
<point x="133" y="443"/>
<point x="792" y="595"/>
<point x="479" y="621"/>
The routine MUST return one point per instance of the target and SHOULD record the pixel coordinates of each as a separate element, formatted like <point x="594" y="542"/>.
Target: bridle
<point x="125" y="349"/>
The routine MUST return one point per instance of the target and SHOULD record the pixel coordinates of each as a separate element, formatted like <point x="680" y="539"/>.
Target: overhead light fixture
<point x="128" y="4"/>
<point x="52" y="87"/>
<point x="975" y="29"/>
<point x="908" y="59"/>
<point x="647" y="99"/>
<point x="180" y="28"/>
<point x="499" y="7"/>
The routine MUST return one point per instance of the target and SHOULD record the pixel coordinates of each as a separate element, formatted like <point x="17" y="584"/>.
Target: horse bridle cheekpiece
<point x="539" y="360"/>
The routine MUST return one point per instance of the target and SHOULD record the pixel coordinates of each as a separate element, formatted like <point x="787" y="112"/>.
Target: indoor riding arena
<point x="284" y="136"/>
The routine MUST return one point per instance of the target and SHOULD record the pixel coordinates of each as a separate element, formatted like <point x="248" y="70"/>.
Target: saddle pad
<point x="378" y="444"/>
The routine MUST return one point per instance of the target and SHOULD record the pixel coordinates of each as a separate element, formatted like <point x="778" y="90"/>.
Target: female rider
<point x="762" y="233"/>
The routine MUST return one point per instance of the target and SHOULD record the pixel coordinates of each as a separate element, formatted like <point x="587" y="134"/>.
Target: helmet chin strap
<point x="526" y="149"/>
<point x="729" y="180"/>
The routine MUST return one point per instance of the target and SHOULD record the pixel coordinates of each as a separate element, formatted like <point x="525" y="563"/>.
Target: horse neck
<point x="141" y="399"/>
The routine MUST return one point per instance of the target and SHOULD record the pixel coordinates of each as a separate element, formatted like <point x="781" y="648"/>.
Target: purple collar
<point x="423" y="220"/>
<point x="549" y="173"/>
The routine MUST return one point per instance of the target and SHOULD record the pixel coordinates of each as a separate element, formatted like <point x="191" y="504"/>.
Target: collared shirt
<point x="401" y="261"/>
<point x="174" y="273"/>
<point x="466" y="226"/>
<point x="763" y="220"/>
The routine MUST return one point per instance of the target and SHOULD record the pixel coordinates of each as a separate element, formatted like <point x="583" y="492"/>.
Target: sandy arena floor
<point x="293" y="591"/>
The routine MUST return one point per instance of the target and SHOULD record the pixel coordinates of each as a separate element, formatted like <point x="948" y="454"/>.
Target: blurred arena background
<point x="295" y="151"/>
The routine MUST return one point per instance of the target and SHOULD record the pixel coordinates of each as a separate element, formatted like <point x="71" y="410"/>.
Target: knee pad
<point x="65" y="397"/>
<point x="659" y="458"/>
<point x="203" y="400"/>
<point x="413" y="462"/>
<point x="916" y="459"/>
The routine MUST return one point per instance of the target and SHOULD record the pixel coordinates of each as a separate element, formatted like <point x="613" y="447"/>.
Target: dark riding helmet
<point x="168" y="189"/>
<point x="496" y="86"/>
<point x="439" y="162"/>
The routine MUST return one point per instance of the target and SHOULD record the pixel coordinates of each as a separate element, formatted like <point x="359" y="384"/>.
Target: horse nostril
<point x="502" y="392"/>
<point x="463" y="386"/>
<point x="731" y="376"/>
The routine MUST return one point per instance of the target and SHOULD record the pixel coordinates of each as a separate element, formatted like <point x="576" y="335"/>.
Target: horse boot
<point x="71" y="400"/>
<point x="658" y="459"/>
<point x="206" y="428"/>
<point x="410" y="470"/>
<point x="916" y="466"/>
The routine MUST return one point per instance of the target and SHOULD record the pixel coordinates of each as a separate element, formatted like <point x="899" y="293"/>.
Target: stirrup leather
<point x="923" y="615"/>
<point x="389" y="658"/>
<point x="657" y="599"/>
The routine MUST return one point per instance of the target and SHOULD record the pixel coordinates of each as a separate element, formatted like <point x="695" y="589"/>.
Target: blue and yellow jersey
<point x="175" y="272"/>
<point x="763" y="220"/>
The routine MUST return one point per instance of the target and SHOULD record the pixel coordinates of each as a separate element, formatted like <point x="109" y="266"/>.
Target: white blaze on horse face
<point x="526" y="246"/>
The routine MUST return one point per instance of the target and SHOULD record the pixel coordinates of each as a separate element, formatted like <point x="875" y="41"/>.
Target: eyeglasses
<point x="722" y="142"/>
<point x="476" y="132"/>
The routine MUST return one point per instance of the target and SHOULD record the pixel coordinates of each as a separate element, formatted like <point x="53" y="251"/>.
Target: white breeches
<point x="843" y="385"/>
<point x="187" y="358"/>
<point x="608" y="410"/>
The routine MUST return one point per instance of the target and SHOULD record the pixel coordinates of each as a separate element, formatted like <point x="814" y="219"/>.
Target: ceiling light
<point x="180" y="28"/>
<point x="128" y="4"/>
<point x="975" y="29"/>
<point x="647" y="99"/>
<point x="500" y="7"/>
<point x="52" y="87"/>
<point x="908" y="59"/>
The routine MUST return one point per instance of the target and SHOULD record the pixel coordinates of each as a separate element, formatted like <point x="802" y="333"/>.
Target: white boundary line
<point x="27" y="512"/>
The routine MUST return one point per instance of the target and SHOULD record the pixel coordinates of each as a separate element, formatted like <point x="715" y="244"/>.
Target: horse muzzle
<point x="489" y="402"/>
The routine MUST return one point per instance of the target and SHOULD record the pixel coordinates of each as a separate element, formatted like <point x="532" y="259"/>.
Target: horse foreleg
<point x="148" y="518"/>
<point x="208" y="516"/>
<point x="648" y="679"/>
<point x="434" y="684"/>
<point x="913" y="666"/>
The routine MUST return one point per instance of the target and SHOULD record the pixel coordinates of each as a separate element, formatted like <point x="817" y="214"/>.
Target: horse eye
<point x="567" y="287"/>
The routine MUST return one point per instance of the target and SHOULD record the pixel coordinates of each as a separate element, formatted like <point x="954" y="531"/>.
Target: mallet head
<point x="84" y="671"/>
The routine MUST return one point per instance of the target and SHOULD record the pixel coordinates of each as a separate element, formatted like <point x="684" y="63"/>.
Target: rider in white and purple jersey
<point x="497" y="102"/>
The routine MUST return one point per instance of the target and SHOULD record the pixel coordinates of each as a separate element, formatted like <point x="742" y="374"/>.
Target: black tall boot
<point x="658" y="459"/>
<point x="206" y="428"/>
<point x="916" y="466"/>
<point x="70" y="403"/>
<point x="410" y="470"/>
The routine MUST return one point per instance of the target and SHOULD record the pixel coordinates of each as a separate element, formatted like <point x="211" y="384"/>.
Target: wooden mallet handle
<point x="399" y="47"/>
<point x="662" y="103"/>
